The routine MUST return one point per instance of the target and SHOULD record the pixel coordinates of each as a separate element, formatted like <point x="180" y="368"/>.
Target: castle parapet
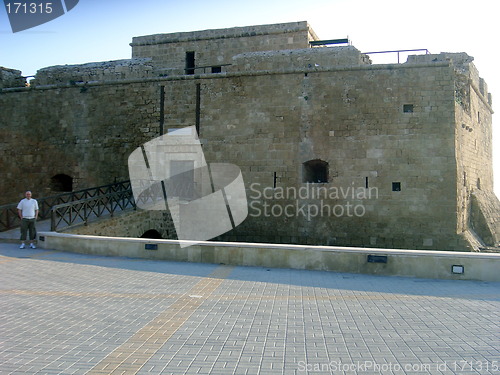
<point x="299" y="59"/>
<point x="464" y="66"/>
<point x="11" y="78"/>
<point x="97" y="71"/>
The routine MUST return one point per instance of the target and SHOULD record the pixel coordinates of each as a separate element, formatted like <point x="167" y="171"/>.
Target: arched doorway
<point x="152" y="234"/>
<point x="315" y="171"/>
<point x="61" y="182"/>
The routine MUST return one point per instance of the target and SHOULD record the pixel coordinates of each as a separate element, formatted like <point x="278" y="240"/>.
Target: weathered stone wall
<point x="473" y="149"/>
<point x="11" y="78"/>
<point x="84" y="131"/>
<point x="129" y="224"/>
<point x="298" y="59"/>
<point x="92" y="72"/>
<point x="352" y="118"/>
<point x="484" y="217"/>
<point x="217" y="47"/>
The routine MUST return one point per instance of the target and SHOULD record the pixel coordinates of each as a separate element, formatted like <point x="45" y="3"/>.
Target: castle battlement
<point x="227" y="33"/>
<point x="306" y="59"/>
<point x="464" y="67"/>
<point x="11" y="78"/>
<point x="96" y="71"/>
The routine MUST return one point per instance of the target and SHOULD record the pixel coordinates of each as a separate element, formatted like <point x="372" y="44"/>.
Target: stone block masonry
<point x="95" y="72"/>
<point x="333" y="150"/>
<point x="85" y="131"/>
<point x="11" y="78"/>
<point x="131" y="224"/>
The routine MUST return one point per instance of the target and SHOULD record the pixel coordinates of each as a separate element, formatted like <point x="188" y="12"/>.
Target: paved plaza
<point x="64" y="313"/>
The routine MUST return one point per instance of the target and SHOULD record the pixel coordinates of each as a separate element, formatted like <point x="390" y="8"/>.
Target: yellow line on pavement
<point x="132" y="355"/>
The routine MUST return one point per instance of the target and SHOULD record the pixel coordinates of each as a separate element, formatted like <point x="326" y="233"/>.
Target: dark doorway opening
<point x="152" y="234"/>
<point x="315" y="171"/>
<point x="61" y="182"/>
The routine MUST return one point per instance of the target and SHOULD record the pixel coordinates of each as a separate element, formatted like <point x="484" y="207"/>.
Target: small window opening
<point x="216" y="69"/>
<point x="190" y="62"/>
<point x="465" y="178"/>
<point x="182" y="184"/>
<point x="315" y="171"/>
<point x="396" y="186"/>
<point x="408" y="108"/>
<point x="61" y="182"/>
<point x="366" y="182"/>
<point x="479" y="183"/>
<point x="152" y="234"/>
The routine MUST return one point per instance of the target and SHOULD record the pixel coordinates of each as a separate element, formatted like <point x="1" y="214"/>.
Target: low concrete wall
<point x="413" y="263"/>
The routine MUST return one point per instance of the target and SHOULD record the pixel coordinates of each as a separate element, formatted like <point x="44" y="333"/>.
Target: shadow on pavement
<point x="475" y="290"/>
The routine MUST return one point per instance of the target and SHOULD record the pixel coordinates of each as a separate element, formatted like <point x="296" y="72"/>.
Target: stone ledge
<point x="407" y="263"/>
<point x="193" y="77"/>
<point x="234" y="32"/>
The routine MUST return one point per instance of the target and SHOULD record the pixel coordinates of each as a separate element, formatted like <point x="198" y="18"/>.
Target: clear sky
<point x="101" y="30"/>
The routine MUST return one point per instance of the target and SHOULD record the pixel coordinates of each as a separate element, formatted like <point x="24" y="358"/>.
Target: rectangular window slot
<point x="457" y="269"/>
<point x="377" y="259"/>
<point x="216" y="69"/>
<point x="408" y="108"/>
<point x="396" y="186"/>
<point x="198" y="109"/>
<point x="366" y="182"/>
<point x="162" y="109"/>
<point x="151" y="246"/>
<point x="41" y="238"/>
<point x="190" y="63"/>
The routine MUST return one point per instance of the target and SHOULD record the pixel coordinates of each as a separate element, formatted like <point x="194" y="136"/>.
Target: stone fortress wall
<point x="333" y="149"/>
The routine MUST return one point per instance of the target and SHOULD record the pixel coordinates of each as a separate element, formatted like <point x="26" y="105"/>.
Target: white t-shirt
<point x="28" y="208"/>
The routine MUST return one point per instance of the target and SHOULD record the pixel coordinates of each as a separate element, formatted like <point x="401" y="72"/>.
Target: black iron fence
<point x="83" y="210"/>
<point x="400" y="51"/>
<point x="9" y="218"/>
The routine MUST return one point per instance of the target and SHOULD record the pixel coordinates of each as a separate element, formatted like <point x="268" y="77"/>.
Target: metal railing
<point x="81" y="211"/>
<point x="400" y="51"/>
<point x="9" y="218"/>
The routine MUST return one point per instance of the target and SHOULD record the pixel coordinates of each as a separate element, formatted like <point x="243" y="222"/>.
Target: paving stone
<point x="63" y="313"/>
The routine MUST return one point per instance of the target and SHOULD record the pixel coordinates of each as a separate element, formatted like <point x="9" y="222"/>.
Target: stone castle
<point x="334" y="150"/>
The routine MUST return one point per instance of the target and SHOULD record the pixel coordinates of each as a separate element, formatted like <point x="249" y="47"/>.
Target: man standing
<point x="28" y="213"/>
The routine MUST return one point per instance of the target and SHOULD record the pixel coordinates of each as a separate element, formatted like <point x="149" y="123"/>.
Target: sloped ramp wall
<point x="129" y="224"/>
<point x="485" y="216"/>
